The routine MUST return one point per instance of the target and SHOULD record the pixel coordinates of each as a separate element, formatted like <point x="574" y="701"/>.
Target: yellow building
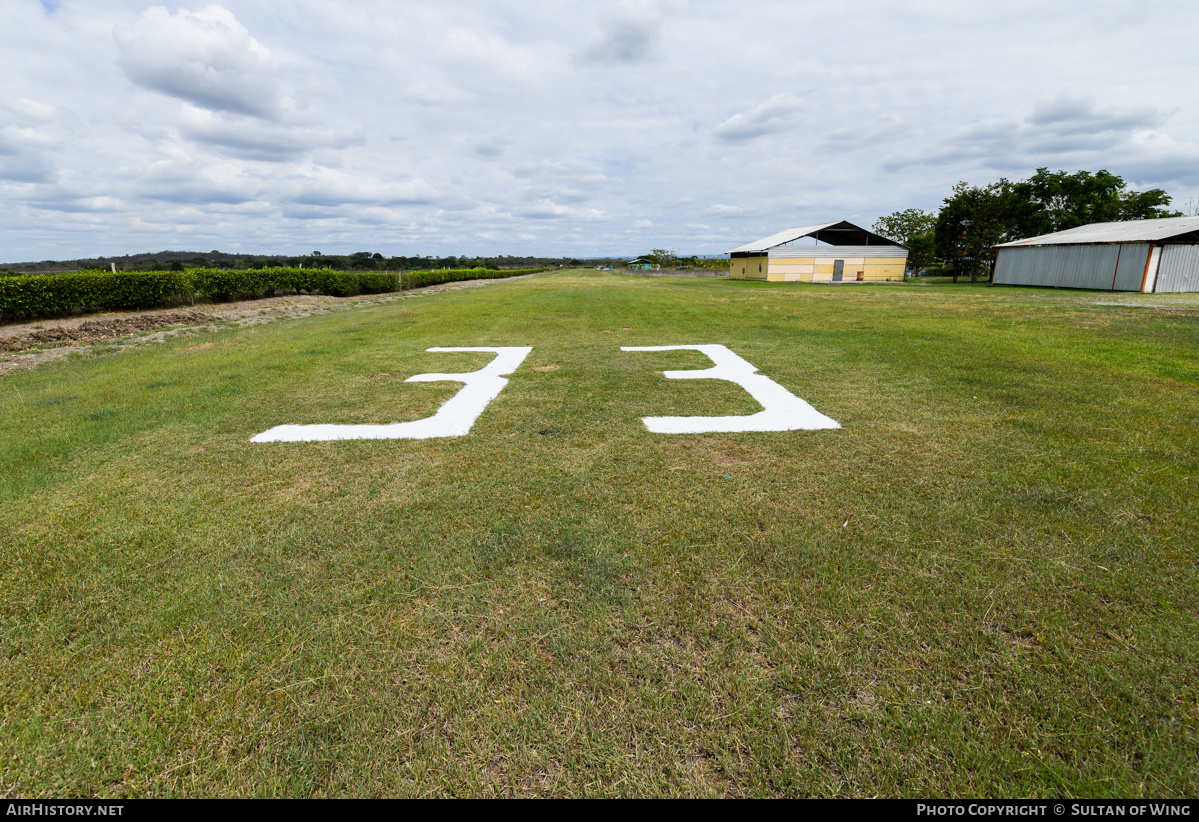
<point x="825" y="253"/>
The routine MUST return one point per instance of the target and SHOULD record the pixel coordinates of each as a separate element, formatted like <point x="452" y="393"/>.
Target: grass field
<point x="984" y="584"/>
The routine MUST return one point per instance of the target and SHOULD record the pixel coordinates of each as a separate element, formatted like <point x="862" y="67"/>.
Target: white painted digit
<point x="782" y="410"/>
<point x="453" y="419"/>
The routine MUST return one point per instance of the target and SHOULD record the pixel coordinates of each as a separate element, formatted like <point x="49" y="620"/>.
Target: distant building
<point x="1134" y="255"/>
<point x="640" y="264"/>
<point x="824" y="253"/>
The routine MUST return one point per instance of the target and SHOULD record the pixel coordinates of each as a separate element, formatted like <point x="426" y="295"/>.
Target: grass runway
<point x="984" y="584"/>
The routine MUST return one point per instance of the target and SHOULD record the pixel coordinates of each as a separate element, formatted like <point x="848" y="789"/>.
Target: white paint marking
<point x="453" y="419"/>
<point x="782" y="410"/>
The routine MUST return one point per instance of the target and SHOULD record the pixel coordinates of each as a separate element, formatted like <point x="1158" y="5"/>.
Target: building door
<point x="838" y="270"/>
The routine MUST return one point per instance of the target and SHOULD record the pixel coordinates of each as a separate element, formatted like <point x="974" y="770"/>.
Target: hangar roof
<point x="841" y="232"/>
<point x="1128" y="231"/>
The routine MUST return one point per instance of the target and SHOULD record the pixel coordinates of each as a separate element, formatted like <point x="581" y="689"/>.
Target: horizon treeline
<point x="358" y="261"/>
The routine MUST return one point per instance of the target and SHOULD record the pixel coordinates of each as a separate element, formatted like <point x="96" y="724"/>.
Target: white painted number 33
<point x="781" y="410"/>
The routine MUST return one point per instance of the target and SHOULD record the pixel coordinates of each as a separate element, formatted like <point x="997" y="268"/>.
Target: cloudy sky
<point x="574" y="128"/>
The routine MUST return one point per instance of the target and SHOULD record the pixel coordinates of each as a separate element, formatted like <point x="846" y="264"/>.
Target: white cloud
<point x="83" y="205"/>
<point x="28" y="110"/>
<point x="629" y="41"/>
<point x="562" y="127"/>
<point x="25" y="167"/>
<point x="29" y="138"/>
<point x="549" y="210"/>
<point x="631" y="32"/>
<point x="1072" y="114"/>
<point x="207" y="58"/>
<point x="431" y="94"/>
<point x="774" y="115"/>
<point x="491" y="145"/>
<point x="180" y="178"/>
<point x="1064" y="130"/>
<point x="325" y="187"/>
<point x="254" y="139"/>
<point x="545" y="210"/>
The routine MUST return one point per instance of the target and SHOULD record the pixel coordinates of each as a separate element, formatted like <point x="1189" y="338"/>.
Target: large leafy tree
<point x="1070" y="200"/>
<point x="915" y="229"/>
<point x="975" y="218"/>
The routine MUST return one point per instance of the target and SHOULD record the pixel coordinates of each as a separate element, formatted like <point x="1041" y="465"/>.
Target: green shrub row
<point x="51" y="295"/>
<point x="222" y="284"/>
<point x="420" y="279"/>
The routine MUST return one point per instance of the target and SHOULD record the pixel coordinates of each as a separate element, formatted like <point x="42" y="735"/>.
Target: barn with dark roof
<point x="822" y="253"/>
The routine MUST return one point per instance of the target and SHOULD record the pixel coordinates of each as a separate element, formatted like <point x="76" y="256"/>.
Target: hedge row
<point x="50" y="295"/>
<point x="420" y="279"/>
<point x="221" y="284"/>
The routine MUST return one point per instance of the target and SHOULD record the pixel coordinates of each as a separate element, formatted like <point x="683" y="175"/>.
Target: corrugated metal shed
<point x="1137" y="255"/>
<point x="1178" y="269"/>
<point x="1113" y="267"/>
<point x="1129" y="231"/>
<point x="839" y="233"/>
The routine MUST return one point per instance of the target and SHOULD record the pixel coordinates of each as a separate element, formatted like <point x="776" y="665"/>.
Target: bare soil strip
<point x="104" y="329"/>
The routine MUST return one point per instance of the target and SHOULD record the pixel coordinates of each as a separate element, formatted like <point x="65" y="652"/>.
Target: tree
<point x="914" y="228"/>
<point x="975" y="219"/>
<point x="1070" y="200"/>
<point x="361" y="260"/>
<point x="662" y="257"/>
<point x="905" y="225"/>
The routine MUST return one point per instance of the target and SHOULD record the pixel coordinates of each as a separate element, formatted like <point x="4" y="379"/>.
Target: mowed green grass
<point x="984" y="584"/>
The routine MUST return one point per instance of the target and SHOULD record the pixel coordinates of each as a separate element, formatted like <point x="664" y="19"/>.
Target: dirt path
<point x="28" y="345"/>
